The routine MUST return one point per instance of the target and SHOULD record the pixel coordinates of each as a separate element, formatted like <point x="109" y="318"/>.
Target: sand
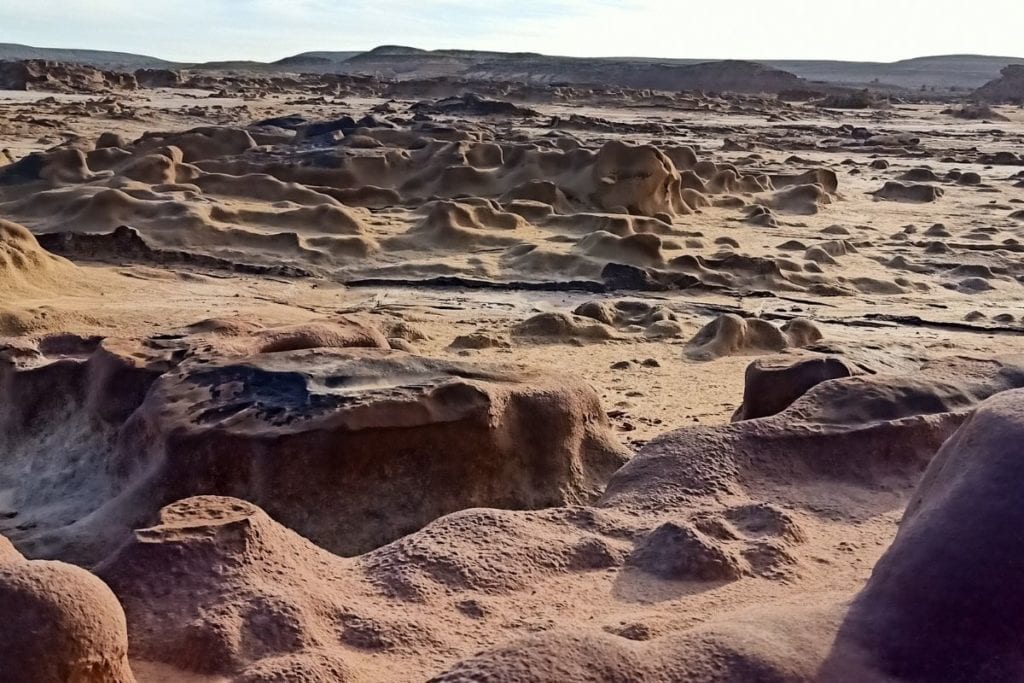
<point x="610" y="385"/>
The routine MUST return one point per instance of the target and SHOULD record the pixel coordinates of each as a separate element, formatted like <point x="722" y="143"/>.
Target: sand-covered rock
<point x="874" y="424"/>
<point x="675" y="551"/>
<point x="559" y="327"/>
<point x="244" y="588"/>
<point x="26" y="268"/>
<point x="213" y="196"/>
<point x="60" y="624"/>
<point x="731" y="334"/>
<point x="783" y="644"/>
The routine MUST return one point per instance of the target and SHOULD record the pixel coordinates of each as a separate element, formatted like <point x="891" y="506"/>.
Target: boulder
<point x="60" y="624"/>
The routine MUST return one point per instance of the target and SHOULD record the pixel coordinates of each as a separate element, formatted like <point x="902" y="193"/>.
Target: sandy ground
<point x="960" y="299"/>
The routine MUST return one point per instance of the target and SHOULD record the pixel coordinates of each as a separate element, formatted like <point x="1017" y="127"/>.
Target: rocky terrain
<point x="330" y="377"/>
<point x="1007" y="89"/>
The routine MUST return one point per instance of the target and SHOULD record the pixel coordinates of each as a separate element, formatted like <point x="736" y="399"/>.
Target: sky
<point x="266" y="30"/>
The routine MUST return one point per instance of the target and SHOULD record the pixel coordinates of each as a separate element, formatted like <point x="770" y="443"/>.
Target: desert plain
<point x="319" y="377"/>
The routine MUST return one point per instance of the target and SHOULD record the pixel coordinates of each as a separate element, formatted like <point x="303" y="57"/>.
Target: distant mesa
<point x="946" y="73"/>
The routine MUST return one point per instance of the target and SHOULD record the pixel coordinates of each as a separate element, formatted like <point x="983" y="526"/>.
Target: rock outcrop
<point x="940" y="603"/>
<point x="38" y="74"/>
<point x="1007" y="89"/>
<point x="330" y="441"/>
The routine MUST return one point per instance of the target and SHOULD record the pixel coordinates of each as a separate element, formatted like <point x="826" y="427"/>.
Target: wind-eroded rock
<point x="218" y="586"/>
<point x="351" y="447"/>
<point x="350" y="434"/>
<point x="60" y="624"/>
<point x="940" y="605"/>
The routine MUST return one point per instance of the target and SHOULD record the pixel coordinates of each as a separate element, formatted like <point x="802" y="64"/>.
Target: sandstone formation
<point x="955" y="551"/>
<point x="321" y="613"/>
<point x="60" y="624"/>
<point x="296" y="427"/>
<point x="461" y="366"/>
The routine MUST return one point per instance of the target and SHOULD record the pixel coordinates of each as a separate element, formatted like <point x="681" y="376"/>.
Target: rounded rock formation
<point x="729" y="334"/>
<point x="942" y="603"/>
<point x="771" y="385"/>
<point x="60" y="624"/>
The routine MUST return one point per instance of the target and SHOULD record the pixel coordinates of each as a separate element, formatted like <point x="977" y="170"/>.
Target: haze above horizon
<point x="267" y="30"/>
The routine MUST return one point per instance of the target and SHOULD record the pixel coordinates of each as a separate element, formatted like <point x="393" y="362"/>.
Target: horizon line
<point x="530" y="52"/>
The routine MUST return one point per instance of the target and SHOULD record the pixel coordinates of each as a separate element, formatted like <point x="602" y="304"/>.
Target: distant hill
<point x="944" y="73"/>
<point x="965" y="72"/>
<point x="97" y="58"/>
<point x="313" y="61"/>
<point x="399" y="62"/>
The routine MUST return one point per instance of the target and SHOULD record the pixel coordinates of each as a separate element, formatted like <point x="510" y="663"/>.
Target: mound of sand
<point x="25" y="268"/>
<point x="975" y="112"/>
<point x="480" y="339"/>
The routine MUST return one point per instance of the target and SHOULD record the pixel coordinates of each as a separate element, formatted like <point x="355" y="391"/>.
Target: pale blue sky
<point x="198" y="30"/>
